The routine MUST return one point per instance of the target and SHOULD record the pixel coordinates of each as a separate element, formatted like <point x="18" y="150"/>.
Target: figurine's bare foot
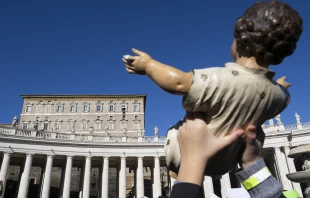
<point x="282" y="82"/>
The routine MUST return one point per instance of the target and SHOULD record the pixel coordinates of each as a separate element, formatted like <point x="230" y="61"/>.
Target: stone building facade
<point x="115" y="114"/>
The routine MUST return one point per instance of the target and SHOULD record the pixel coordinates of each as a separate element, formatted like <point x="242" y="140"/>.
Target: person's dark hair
<point x="268" y="31"/>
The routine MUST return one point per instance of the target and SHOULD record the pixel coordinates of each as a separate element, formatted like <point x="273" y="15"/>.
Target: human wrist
<point x="191" y="172"/>
<point x="196" y="161"/>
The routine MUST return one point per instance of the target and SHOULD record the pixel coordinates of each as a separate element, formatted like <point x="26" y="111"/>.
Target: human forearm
<point x="192" y="171"/>
<point x="168" y="78"/>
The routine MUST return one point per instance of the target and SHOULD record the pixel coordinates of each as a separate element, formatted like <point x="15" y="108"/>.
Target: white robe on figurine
<point x="230" y="96"/>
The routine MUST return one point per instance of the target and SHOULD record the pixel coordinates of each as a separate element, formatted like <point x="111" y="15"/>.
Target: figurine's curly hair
<point x="268" y="31"/>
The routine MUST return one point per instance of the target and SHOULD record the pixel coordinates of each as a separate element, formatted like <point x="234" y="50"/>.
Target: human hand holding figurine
<point x="137" y="64"/>
<point x="282" y="82"/>
<point x="198" y="145"/>
<point x="253" y="146"/>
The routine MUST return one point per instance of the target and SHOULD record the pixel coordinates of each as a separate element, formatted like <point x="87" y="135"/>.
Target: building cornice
<point x="80" y="148"/>
<point x="84" y="144"/>
<point x="24" y="96"/>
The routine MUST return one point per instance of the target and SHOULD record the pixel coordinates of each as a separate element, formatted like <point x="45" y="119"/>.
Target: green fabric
<point x="291" y="194"/>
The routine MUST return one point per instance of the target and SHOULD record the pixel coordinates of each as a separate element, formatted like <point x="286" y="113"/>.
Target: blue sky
<point x="75" y="47"/>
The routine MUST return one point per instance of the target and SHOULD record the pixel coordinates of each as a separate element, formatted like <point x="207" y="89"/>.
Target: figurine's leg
<point x="172" y="151"/>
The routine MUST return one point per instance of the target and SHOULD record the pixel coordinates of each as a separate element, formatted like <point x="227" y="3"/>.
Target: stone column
<point x="67" y="181"/>
<point x="225" y="185"/>
<point x="122" y="178"/>
<point x="81" y="180"/>
<point x="1" y="159"/>
<point x="86" y="186"/>
<point x="172" y="180"/>
<point x="208" y="186"/>
<point x="157" y="182"/>
<point x="100" y="181"/>
<point x="292" y="169"/>
<point x="25" y="179"/>
<point x="4" y="170"/>
<point x="117" y="182"/>
<point x="21" y="170"/>
<point x="285" y="165"/>
<point x="105" y="178"/>
<point x="47" y="177"/>
<point x="62" y="180"/>
<point x="135" y="182"/>
<point x="140" y="178"/>
<point x="281" y="165"/>
<point x="41" y="181"/>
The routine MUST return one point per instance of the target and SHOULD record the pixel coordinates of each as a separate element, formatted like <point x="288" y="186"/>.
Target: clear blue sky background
<point x="75" y="47"/>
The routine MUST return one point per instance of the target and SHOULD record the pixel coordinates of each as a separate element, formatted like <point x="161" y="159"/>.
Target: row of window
<point x="84" y="124"/>
<point x="85" y="108"/>
<point x="46" y="118"/>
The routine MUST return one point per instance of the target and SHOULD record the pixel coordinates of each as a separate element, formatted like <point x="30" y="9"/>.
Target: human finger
<point x="231" y="138"/>
<point x="251" y="134"/>
<point x="199" y="120"/>
<point x="199" y="115"/>
<point x="180" y="132"/>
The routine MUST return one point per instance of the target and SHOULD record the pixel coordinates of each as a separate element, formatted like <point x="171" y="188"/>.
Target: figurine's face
<point x="233" y="50"/>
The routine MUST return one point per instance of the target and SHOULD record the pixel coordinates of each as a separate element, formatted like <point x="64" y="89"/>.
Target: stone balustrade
<point x="95" y="137"/>
<point x="120" y="137"/>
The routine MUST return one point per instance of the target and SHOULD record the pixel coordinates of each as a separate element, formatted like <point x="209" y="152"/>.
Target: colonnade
<point x="283" y="166"/>
<point x="86" y="177"/>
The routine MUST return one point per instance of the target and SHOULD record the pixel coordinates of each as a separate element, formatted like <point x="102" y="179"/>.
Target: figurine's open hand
<point x="137" y="64"/>
<point x="282" y="82"/>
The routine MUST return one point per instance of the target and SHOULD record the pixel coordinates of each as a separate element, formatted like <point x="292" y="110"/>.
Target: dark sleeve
<point x="186" y="190"/>
<point x="270" y="187"/>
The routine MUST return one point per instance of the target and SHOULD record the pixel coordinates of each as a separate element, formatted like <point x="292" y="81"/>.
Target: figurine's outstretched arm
<point x="282" y="82"/>
<point x="168" y="78"/>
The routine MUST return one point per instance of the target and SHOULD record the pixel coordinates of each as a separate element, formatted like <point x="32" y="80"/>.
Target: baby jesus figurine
<point x="238" y="94"/>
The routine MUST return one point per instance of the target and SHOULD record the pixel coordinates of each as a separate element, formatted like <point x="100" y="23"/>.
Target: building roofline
<point x="83" y="95"/>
